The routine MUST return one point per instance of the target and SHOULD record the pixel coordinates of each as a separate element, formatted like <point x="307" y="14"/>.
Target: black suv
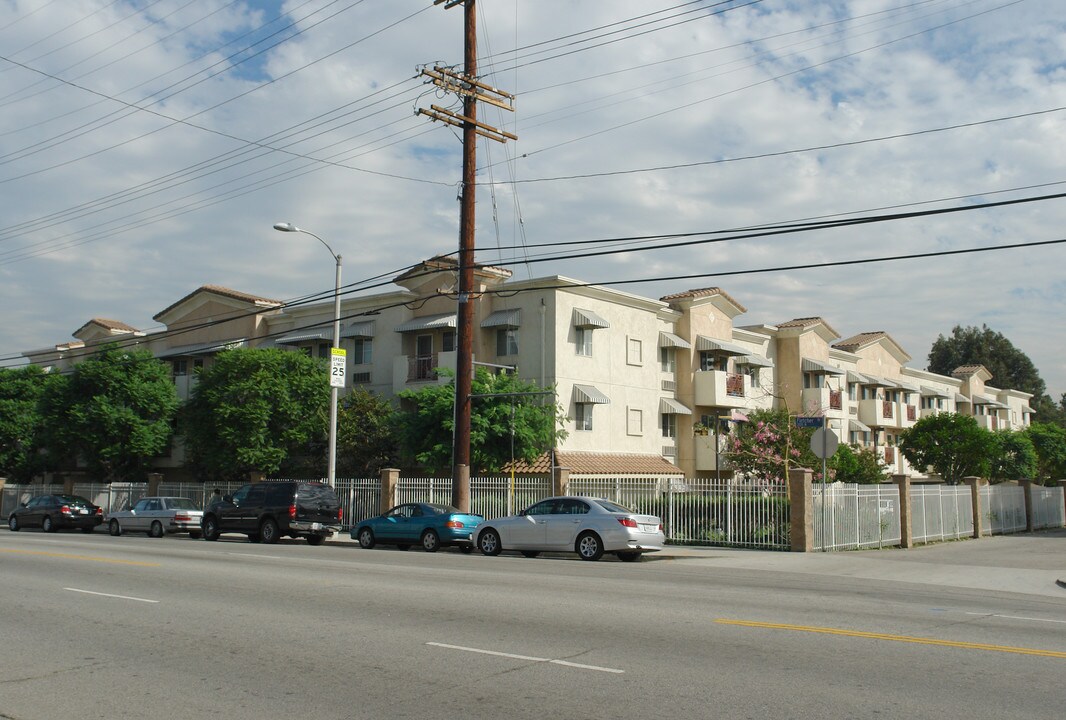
<point x="266" y="511"/>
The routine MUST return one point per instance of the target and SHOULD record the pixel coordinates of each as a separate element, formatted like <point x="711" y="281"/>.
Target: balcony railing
<point x="836" y="400"/>
<point x="734" y="385"/>
<point x="890" y="455"/>
<point x="422" y="367"/>
<point x="886" y="409"/>
<point x="912" y="413"/>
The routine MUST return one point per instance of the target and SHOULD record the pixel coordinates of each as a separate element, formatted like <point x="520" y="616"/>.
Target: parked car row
<point x="268" y="511"/>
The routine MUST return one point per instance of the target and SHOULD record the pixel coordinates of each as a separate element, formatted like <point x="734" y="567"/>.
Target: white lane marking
<point x="1016" y="617"/>
<point x="526" y="657"/>
<point x="120" y="597"/>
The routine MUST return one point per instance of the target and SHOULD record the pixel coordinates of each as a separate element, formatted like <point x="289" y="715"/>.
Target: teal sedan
<point x="430" y="525"/>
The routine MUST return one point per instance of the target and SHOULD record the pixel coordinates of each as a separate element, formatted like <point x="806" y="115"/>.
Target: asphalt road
<point x="132" y="627"/>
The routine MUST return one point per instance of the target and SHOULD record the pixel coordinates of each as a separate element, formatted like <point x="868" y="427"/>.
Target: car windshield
<point x="181" y="504"/>
<point x="72" y="500"/>
<point x="612" y="507"/>
<point x="443" y="509"/>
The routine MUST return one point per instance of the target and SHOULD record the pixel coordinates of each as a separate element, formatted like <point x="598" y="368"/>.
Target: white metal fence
<point x="941" y="512"/>
<point x="850" y="517"/>
<point x="1049" y="510"/>
<point x="1003" y="509"/>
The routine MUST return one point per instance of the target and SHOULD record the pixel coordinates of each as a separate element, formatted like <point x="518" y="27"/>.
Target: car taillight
<point x="453" y="524"/>
<point x="292" y="511"/>
<point x="340" y="514"/>
<point x="182" y="517"/>
<point x="99" y="511"/>
<point x="628" y="522"/>
<point x="65" y="509"/>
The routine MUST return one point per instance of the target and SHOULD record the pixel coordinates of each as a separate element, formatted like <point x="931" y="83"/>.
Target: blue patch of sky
<point x="247" y="43"/>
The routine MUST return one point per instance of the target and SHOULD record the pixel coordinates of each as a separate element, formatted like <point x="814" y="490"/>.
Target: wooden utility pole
<point x="471" y="90"/>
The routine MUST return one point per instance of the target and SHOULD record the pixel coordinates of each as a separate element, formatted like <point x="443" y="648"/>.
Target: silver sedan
<point x="585" y="525"/>
<point x="158" y="516"/>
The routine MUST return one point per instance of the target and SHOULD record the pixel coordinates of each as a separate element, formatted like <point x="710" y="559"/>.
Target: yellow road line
<point x="80" y="557"/>
<point x="895" y="638"/>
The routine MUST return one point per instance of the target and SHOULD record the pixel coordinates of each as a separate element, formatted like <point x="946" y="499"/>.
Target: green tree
<point x="21" y="421"/>
<point x="1049" y="442"/>
<point x="859" y="465"/>
<point x="953" y="445"/>
<point x="1010" y="367"/>
<point x="254" y="409"/>
<point x="767" y="446"/>
<point x="425" y="427"/>
<point x="1013" y="457"/>
<point x="114" y="413"/>
<point x="366" y="439"/>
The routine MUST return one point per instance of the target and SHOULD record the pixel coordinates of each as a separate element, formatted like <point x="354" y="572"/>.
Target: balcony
<point x="706" y="455"/>
<point x="823" y="401"/>
<point x="408" y="371"/>
<point x="878" y="413"/>
<point x="716" y="388"/>
<point x="908" y="415"/>
<point x="989" y="422"/>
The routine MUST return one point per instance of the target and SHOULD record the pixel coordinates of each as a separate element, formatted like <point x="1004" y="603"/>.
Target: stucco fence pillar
<point x="389" y="478"/>
<point x="906" y="537"/>
<point x="975" y="484"/>
<point x="801" y="510"/>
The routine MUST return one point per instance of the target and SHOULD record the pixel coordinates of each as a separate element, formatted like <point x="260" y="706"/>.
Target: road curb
<point x="1061" y="583"/>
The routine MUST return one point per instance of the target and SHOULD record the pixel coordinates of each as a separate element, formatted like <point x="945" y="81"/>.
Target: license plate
<point x="649" y="528"/>
<point x="316" y="526"/>
<point x="83" y="511"/>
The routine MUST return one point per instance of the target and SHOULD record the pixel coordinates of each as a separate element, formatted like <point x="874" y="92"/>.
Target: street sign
<point x="824" y="443"/>
<point x="809" y="422"/>
<point x="337" y="367"/>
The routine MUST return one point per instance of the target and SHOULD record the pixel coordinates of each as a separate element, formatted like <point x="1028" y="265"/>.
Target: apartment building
<point x="649" y="386"/>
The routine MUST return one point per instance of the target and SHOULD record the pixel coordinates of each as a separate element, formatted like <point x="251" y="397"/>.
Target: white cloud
<point x="715" y="88"/>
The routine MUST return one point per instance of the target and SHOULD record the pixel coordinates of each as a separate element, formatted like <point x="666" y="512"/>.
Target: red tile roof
<point x="586" y="463"/>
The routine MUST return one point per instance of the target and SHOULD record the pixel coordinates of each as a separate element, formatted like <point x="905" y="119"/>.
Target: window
<point x="712" y="361"/>
<point x="323" y="350"/>
<point x="363" y="352"/>
<point x="360" y="378"/>
<point x="634" y="421"/>
<point x="668" y="359"/>
<point x="506" y="341"/>
<point x="181" y="367"/>
<point x="448" y="343"/>
<point x="852" y="391"/>
<point x="583" y="416"/>
<point x="669" y="425"/>
<point x="753" y="373"/>
<point x="634" y="352"/>
<point x="813" y="380"/>
<point x="583" y="338"/>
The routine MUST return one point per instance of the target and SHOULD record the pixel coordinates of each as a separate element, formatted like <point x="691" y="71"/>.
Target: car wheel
<point x="366" y="538"/>
<point x="210" y="528"/>
<point x="114" y="529"/>
<point x="268" y="531"/>
<point x="316" y="539"/>
<point x="430" y="541"/>
<point x="156" y="530"/>
<point x="466" y="549"/>
<point x="489" y="542"/>
<point x="531" y="553"/>
<point x="589" y="546"/>
<point x="629" y="556"/>
<point x="47" y="525"/>
<point x="195" y="534"/>
<point x="403" y="546"/>
<point x="13" y="523"/>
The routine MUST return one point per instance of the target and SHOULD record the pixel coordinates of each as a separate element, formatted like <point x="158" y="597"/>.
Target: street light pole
<point x="332" y="470"/>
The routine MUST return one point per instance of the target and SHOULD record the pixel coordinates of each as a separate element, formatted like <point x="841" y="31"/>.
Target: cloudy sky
<point x="148" y="146"/>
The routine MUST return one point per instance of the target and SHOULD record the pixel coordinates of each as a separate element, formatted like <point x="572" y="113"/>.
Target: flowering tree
<point x="769" y="445"/>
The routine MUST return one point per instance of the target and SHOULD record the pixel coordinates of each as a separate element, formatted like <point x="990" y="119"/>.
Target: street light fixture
<point x="332" y="472"/>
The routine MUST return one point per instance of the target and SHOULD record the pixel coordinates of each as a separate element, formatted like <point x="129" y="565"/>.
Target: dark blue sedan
<point x="427" y="524"/>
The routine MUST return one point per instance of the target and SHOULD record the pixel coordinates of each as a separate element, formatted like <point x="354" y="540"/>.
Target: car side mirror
<point x="22" y="505"/>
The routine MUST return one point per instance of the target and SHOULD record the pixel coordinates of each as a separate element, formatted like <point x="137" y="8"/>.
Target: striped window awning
<point x="202" y="348"/>
<point x="819" y="367"/>
<point x="305" y="336"/>
<point x="988" y="402"/>
<point x="756" y="360"/>
<point x="360" y="329"/>
<point x="669" y="406"/>
<point x="856" y="426"/>
<point x="858" y="378"/>
<point x="933" y="392"/>
<point x="428" y="322"/>
<point x="874" y="381"/>
<point x="503" y="319"/>
<point x="960" y="398"/>
<point x="589" y="394"/>
<point x="706" y="344"/>
<point x="667" y="339"/>
<point x="589" y="319"/>
<point x="908" y="386"/>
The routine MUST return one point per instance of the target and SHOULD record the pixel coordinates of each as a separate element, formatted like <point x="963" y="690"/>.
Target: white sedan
<point x="585" y="525"/>
<point x="158" y="516"/>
